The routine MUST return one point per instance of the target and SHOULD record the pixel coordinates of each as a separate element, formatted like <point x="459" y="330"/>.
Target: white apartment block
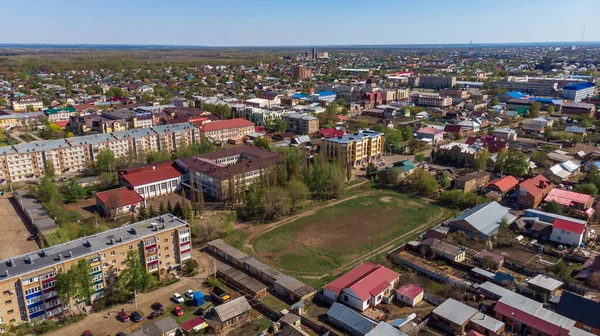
<point x="434" y="101"/>
<point x="27" y="161"/>
<point x="20" y="104"/>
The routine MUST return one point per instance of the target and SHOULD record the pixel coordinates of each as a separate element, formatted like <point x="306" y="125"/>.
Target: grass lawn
<point x="236" y="239"/>
<point x="338" y="234"/>
<point x="274" y="303"/>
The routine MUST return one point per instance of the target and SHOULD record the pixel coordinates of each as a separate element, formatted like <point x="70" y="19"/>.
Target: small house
<point x="410" y="294"/>
<point x="230" y="315"/>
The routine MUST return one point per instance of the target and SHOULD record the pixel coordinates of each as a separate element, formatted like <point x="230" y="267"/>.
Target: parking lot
<point x="15" y="230"/>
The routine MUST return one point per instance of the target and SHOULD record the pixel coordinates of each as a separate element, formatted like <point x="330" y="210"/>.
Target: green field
<point x="339" y="234"/>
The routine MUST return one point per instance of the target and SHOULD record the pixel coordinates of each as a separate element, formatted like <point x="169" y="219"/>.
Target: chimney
<point x="70" y="254"/>
<point x="88" y="243"/>
<point x="59" y="256"/>
<point x="112" y="241"/>
<point x="29" y="260"/>
<point x="6" y="273"/>
<point x="43" y="253"/>
<point x="542" y="184"/>
<point x="11" y="262"/>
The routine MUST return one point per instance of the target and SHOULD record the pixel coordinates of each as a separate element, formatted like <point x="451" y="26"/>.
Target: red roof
<point x="62" y="123"/>
<point x="225" y="124"/>
<point x="563" y="224"/>
<point x="506" y="183"/>
<point x="150" y="173"/>
<point x="190" y="324"/>
<point x="83" y="107"/>
<point x="536" y="186"/>
<point x="488" y="141"/>
<point x="453" y="128"/>
<point x="365" y="280"/>
<point x="125" y="196"/>
<point x="567" y="198"/>
<point x="331" y="132"/>
<point x="410" y="290"/>
<point x="530" y="320"/>
<point x="430" y="130"/>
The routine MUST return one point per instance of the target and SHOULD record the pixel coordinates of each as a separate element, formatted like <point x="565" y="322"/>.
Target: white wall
<point x="565" y="237"/>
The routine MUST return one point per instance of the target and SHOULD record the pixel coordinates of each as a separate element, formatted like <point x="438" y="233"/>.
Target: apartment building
<point x="537" y="89"/>
<point x="578" y="92"/>
<point x="221" y="131"/>
<point x="301" y="72"/>
<point x="214" y="171"/>
<point x="20" y="104"/>
<point x="8" y="120"/>
<point x="394" y="95"/>
<point x="27" y="282"/>
<point x="301" y="123"/>
<point x="359" y="148"/>
<point x="432" y="82"/>
<point x="455" y="93"/>
<point x="27" y="161"/>
<point x="434" y="101"/>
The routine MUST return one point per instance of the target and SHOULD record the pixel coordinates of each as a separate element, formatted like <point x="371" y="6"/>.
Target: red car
<point x="123" y="316"/>
<point x="178" y="311"/>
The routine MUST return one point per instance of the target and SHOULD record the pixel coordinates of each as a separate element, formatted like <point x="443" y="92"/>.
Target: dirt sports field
<point x="338" y="234"/>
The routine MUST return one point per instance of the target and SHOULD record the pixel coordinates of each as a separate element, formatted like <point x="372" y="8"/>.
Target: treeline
<point x="286" y="186"/>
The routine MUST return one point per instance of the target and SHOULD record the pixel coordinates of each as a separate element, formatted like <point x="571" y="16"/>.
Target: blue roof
<point x="575" y="129"/>
<point x="515" y="94"/>
<point x="299" y="96"/>
<point x="578" y="86"/>
<point x="327" y="93"/>
<point x="545" y="100"/>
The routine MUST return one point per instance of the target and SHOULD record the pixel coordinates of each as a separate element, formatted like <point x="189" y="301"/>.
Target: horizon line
<point x="25" y="44"/>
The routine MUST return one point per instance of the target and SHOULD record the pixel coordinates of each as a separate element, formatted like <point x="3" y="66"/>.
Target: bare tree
<point x="112" y="204"/>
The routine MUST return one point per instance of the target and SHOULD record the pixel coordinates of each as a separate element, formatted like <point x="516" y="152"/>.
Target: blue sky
<point x="305" y="22"/>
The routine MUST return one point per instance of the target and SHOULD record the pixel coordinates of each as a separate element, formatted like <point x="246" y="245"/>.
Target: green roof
<point x="522" y="110"/>
<point x="59" y="110"/>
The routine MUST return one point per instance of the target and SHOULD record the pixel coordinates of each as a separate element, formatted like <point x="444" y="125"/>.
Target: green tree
<point x="275" y="203"/>
<point x="72" y="191"/>
<point x="371" y="169"/>
<point x="552" y="207"/>
<point x="52" y="131"/>
<point x="47" y="191"/>
<point x="142" y="213"/>
<point x="540" y="158"/>
<point x="422" y="183"/>
<point x="82" y="273"/>
<point x="178" y="210"/>
<point x="480" y="162"/>
<point x="515" y="163"/>
<point x="65" y="287"/>
<point x="115" y="92"/>
<point x="494" y="101"/>
<point x="420" y="157"/>
<point x="586" y="188"/>
<point x="152" y="211"/>
<point x="169" y="207"/>
<point x="49" y="170"/>
<point x="134" y="277"/>
<point x="263" y="142"/>
<point x="550" y="109"/>
<point x="534" y="110"/>
<point x="3" y="102"/>
<point x="277" y="125"/>
<point x="416" y="145"/>
<point x="297" y="192"/>
<point x="106" y="161"/>
<point x="593" y="176"/>
<point x="444" y="181"/>
<point x="162" y="209"/>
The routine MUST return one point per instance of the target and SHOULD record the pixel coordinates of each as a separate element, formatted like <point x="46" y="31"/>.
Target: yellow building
<point x="359" y="148"/>
<point x="20" y="104"/>
<point x="7" y="120"/>
<point x="27" y="281"/>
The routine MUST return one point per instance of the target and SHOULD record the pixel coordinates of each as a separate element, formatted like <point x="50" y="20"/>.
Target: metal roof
<point x="455" y="311"/>
<point x="231" y="309"/>
<point x="351" y="318"/>
<point x="37" y="260"/>
<point x="384" y="329"/>
<point x="485" y="217"/>
<point x="355" y="137"/>
<point x="545" y="282"/>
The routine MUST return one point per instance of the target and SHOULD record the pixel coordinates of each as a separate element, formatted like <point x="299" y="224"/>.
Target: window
<point x="32" y="290"/>
<point x="7" y="302"/>
<point x="163" y="185"/>
<point x="112" y="253"/>
<point x="174" y="183"/>
<point x="586" y="328"/>
<point x="10" y="312"/>
<point x="49" y="284"/>
<point x="6" y="292"/>
<point x="104" y="256"/>
<point x="152" y="188"/>
<point x="122" y="253"/>
<point x="130" y="247"/>
<point x="166" y="240"/>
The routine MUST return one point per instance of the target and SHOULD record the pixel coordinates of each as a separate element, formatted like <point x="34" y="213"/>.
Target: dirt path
<point x="254" y="232"/>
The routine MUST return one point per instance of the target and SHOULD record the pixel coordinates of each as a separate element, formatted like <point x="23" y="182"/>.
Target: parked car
<point x="178" y="298"/>
<point x="189" y="294"/>
<point x="178" y="311"/>
<point x="120" y="333"/>
<point x="123" y="316"/>
<point x="156" y="313"/>
<point x="87" y="333"/>
<point x="157" y="306"/>
<point x="136" y="317"/>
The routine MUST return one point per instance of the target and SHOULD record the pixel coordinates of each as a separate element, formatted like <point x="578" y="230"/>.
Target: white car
<point x="189" y="294"/>
<point x="178" y="298"/>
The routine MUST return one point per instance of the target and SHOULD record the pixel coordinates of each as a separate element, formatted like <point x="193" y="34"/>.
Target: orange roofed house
<point x="153" y="179"/>
<point x="531" y="192"/>
<point x="118" y="201"/>
<point x="223" y="130"/>
<point x="363" y="287"/>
